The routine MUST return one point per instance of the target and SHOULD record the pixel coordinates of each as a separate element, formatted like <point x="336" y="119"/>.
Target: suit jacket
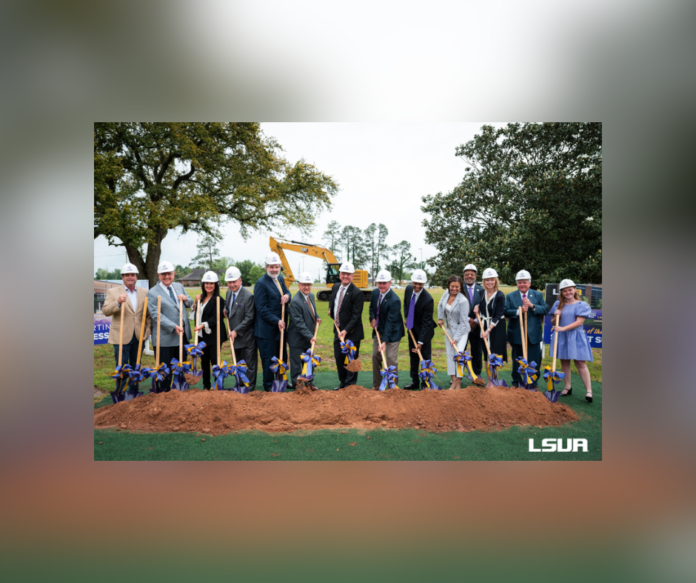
<point x="209" y="316"/>
<point x="302" y="322"/>
<point x="423" y="323"/>
<point x="478" y="295"/>
<point x="391" y="324"/>
<point x="169" y="315"/>
<point x="131" y="320"/>
<point x="458" y="320"/>
<point x="241" y="317"/>
<point x="350" y="316"/>
<point x="535" y="318"/>
<point x="268" y="308"/>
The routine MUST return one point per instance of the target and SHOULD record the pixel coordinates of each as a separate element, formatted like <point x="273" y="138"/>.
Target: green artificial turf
<point x="358" y="444"/>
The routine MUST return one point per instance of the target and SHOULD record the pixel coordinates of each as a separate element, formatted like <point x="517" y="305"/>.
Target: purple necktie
<point x="379" y="303"/>
<point x="411" y="310"/>
<point x="471" y="295"/>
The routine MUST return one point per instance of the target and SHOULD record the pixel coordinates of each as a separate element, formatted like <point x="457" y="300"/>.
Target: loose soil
<point x="218" y="412"/>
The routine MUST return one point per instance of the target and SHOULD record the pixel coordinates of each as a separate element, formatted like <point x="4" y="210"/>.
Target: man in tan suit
<point x="131" y="299"/>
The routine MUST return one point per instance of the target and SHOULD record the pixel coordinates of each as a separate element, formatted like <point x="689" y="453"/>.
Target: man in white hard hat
<point x="385" y="318"/>
<point x="303" y="320"/>
<point x="241" y="314"/>
<point x="534" y="305"/>
<point x="131" y="299"/>
<point x="170" y="332"/>
<point x="345" y="308"/>
<point x="270" y="293"/>
<point x="418" y="310"/>
<point x="473" y="293"/>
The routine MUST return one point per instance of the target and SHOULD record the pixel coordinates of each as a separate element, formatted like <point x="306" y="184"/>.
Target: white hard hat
<point x="490" y="272"/>
<point x="232" y="274"/>
<point x="273" y="259"/>
<point x="305" y="277"/>
<point x="129" y="268"/>
<point x="164" y="267"/>
<point x="209" y="277"/>
<point x="347" y="268"/>
<point x="418" y="276"/>
<point x="383" y="276"/>
<point x="524" y="274"/>
<point x="472" y="267"/>
<point x="566" y="283"/>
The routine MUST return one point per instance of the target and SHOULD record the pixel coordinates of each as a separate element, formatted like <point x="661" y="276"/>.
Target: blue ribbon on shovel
<point x="158" y="375"/>
<point x="310" y="363"/>
<point x="348" y="348"/>
<point x="239" y="373"/>
<point x="138" y="374"/>
<point x="194" y="351"/>
<point x="427" y="374"/>
<point x="279" y="368"/>
<point x="178" y="370"/>
<point x="120" y="374"/>
<point x="495" y="361"/>
<point x="527" y="372"/>
<point x="220" y="372"/>
<point x="389" y="377"/>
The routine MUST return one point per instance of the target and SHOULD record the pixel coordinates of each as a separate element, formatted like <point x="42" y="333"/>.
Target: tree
<point x="208" y="252"/>
<point x="180" y="271"/>
<point x="354" y="245"/>
<point x="150" y="178"/>
<point x="332" y="236"/>
<point x="103" y="274"/>
<point x="255" y="273"/>
<point x="375" y="246"/>
<point x="402" y="260"/>
<point x="246" y="268"/>
<point x="531" y="198"/>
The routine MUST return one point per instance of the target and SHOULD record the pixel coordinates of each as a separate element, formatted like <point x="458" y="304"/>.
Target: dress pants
<point x="533" y="355"/>
<point x="167" y="353"/>
<point x="476" y="348"/>
<point x="130" y="352"/>
<point x="208" y="360"/>
<point x="269" y="348"/>
<point x="391" y="351"/>
<point x="426" y="351"/>
<point x="248" y="355"/>
<point x="345" y="377"/>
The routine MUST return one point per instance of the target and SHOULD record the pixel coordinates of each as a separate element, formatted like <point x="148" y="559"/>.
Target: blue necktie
<point x="411" y="310"/>
<point x="233" y="298"/>
<point x="171" y="295"/>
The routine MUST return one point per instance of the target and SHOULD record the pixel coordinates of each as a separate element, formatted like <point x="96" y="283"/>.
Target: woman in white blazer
<point x="453" y="311"/>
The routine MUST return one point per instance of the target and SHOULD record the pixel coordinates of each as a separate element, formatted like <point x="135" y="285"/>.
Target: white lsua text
<point x="556" y="445"/>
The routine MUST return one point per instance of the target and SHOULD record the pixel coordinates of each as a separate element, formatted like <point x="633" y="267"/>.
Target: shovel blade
<point x="193" y="378"/>
<point x="552" y="395"/>
<point x="133" y="393"/>
<point x="279" y="386"/>
<point x="179" y="385"/>
<point x="500" y="383"/>
<point x="117" y="397"/>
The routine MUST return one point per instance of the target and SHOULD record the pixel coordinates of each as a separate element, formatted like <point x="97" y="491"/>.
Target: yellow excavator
<point x="278" y="246"/>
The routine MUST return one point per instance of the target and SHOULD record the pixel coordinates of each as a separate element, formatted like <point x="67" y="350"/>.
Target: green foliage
<point x="103" y="274"/>
<point x="376" y="247"/>
<point x="332" y="238"/>
<point x="208" y="254"/>
<point x="402" y="260"/>
<point x="255" y="273"/>
<point x="150" y="178"/>
<point x="531" y="199"/>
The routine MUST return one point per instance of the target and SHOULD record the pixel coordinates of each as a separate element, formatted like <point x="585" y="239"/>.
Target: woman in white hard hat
<point x="572" y="339"/>
<point x="491" y="311"/>
<point x="207" y="303"/>
<point x="453" y="310"/>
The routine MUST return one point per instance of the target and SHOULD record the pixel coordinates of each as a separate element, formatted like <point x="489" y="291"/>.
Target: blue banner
<point x="592" y="327"/>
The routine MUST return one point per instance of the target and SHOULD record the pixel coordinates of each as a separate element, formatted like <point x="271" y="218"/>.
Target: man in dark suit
<point x="270" y="293"/>
<point x="240" y="312"/>
<point x="534" y="304"/>
<point x="418" y="309"/>
<point x="345" y="308"/>
<point x="473" y="292"/>
<point x="385" y="317"/>
<point x="303" y="321"/>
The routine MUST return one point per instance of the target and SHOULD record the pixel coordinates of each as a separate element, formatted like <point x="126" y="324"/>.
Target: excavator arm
<point x="305" y="248"/>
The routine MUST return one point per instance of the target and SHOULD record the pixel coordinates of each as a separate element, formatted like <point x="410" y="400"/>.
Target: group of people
<point x="473" y="316"/>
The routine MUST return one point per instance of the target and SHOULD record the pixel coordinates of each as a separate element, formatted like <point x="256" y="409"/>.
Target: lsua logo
<point x="556" y="445"/>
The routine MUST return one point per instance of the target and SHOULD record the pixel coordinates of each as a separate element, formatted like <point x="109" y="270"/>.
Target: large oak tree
<point x="151" y="178"/>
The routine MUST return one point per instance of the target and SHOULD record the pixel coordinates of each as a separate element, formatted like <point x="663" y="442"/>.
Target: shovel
<point x="526" y="369"/>
<point x="195" y="350"/>
<point x="494" y="361"/>
<point x="121" y="373"/>
<point x="550" y="374"/>
<point x="137" y="374"/>
<point x="427" y="367"/>
<point x="278" y="366"/>
<point x="220" y="371"/>
<point x="464" y="357"/>
<point x="162" y="371"/>
<point x="348" y="348"/>
<point x="389" y="374"/>
<point x="310" y="362"/>
<point x="238" y="370"/>
<point x="180" y="367"/>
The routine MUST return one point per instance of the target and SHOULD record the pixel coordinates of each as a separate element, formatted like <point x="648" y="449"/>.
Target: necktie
<point x="411" y="310"/>
<point x="340" y="300"/>
<point x="524" y="297"/>
<point x="471" y="295"/>
<point x="379" y="303"/>
<point x="233" y="298"/>
<point x="171" y="295"/>
<point x="311" y="311"/>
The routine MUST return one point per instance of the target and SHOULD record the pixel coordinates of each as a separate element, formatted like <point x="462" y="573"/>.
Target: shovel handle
<point x="159" y="310"/>
<point x="198" y="319"/>
<point x="526" y="336"/>
<point x="415" y="344"/>
<point x="555" y="343"/>
<point x="181" y="325"/>
<point x="445" y="331"/>
<point x="282" y="332"/>
<point x="234" y="357"/>
<point x="379" y="341"/>
<point x="217" y="311"/>
<point x="488" y="348"/>
<point x="522" y="332"/>
<point x="316" y="329"/>
<point x="142" y="332"/>
<point x="120" y="335"/>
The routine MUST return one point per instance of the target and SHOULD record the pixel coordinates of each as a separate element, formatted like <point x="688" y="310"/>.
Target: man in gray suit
<point x="303" y="319"/>
<point x="240" y="312"/>
<point x="170" y="331"/>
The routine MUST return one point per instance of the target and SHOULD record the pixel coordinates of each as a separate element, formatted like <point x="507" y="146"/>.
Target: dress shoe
<point x="567" y="392"/>
<point x="337" y="388"/>
<point x="515" y="385"/>
<point x="411" y="387"/>
<point x="588" y="397"/>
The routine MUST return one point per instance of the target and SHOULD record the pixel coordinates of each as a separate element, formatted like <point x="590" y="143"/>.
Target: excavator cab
<point x="332" y="274"/>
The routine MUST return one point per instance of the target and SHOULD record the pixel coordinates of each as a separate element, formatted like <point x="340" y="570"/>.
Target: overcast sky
<point x="383" y="170"/>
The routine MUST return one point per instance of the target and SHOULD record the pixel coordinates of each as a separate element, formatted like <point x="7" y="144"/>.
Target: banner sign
<point x="102" y="325"/>
<point x="592" y="327"/>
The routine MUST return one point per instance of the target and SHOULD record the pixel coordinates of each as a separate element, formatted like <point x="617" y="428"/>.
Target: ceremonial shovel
<point x="526" y="364"/>
<point x="180" y="368"/>
<point x="119" y="374"/>
<point x="476" y="380"/>
<point x="138" y="374"/>
<point x="353" y="363"/>
<point x="308" y="374"/>
<point x="161" y="371"/>
<point x="428" y="369"/>
<point x="281" y="382"/>
<point x="551" y="376"/>
<point x="193" y="377"/>
<point x="493" y="380"/>
<point x="389" y="376"/>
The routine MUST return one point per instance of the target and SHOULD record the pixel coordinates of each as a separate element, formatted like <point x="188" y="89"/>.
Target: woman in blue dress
<point x="572" y="339"/>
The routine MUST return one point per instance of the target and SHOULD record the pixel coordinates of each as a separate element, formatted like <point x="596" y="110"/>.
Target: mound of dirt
<point x="219" y="412"/>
